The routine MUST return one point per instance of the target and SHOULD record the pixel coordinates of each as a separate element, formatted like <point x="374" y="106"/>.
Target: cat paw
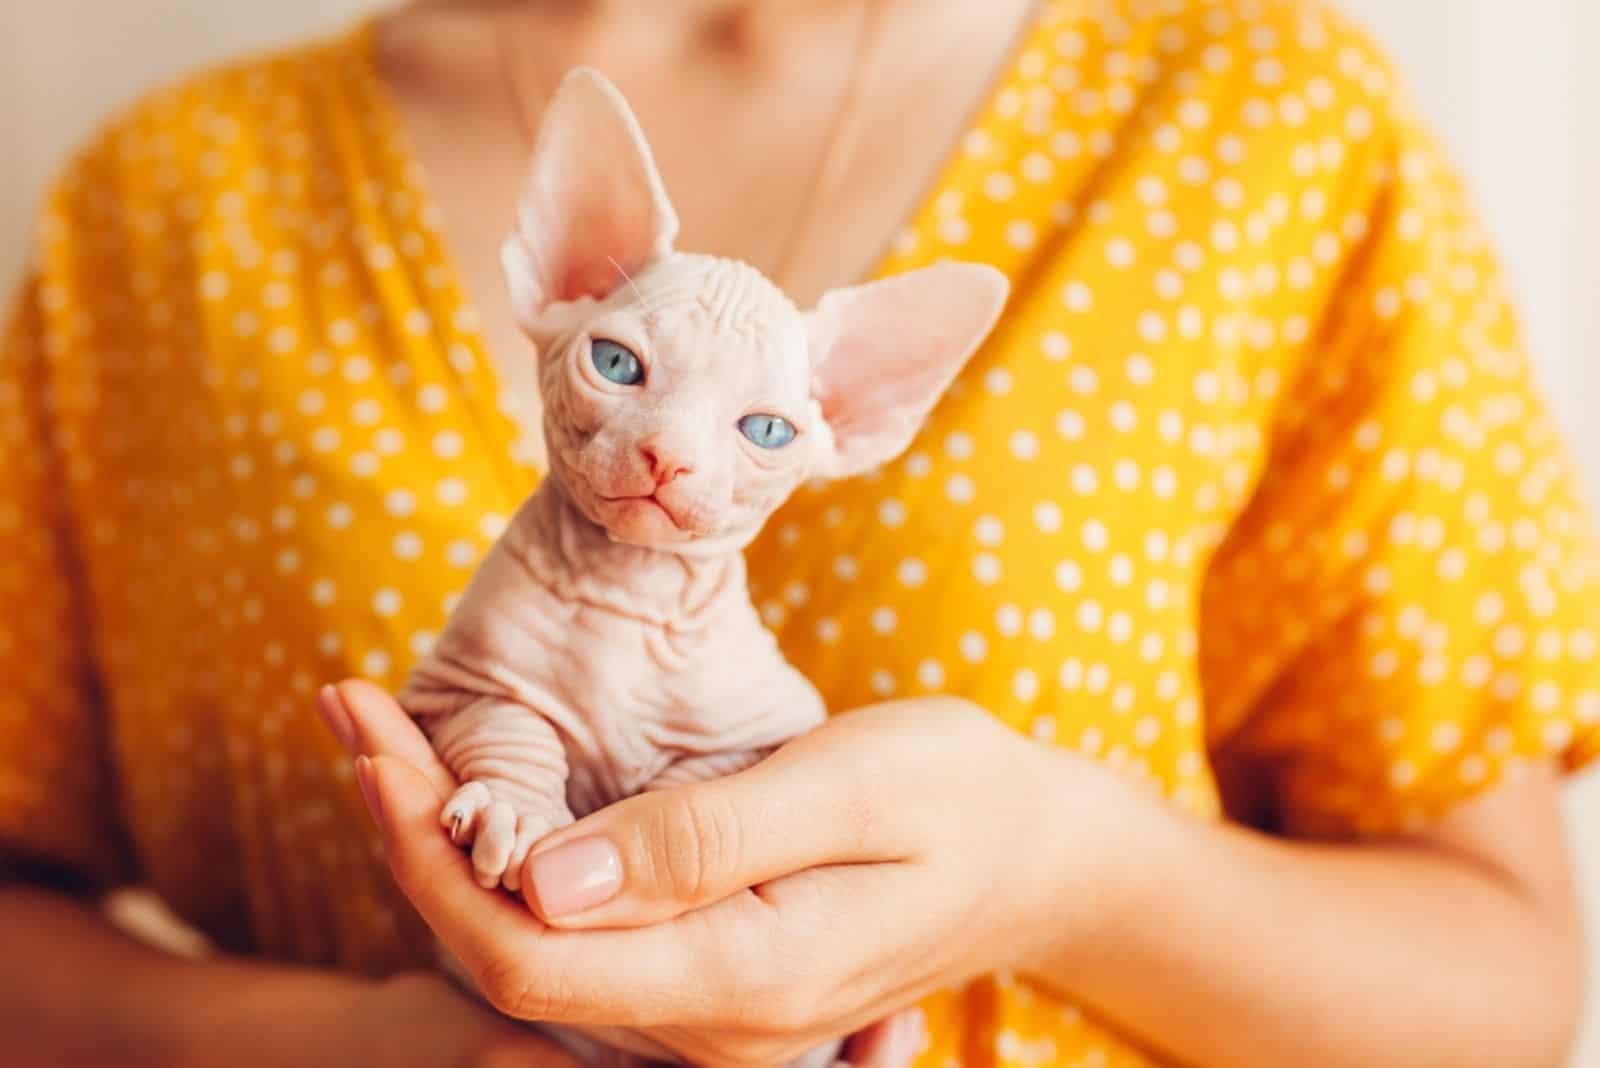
<point x="499" y="832"/>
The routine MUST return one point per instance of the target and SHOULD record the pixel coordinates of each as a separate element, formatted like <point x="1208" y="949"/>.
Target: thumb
<point x="662" y="853"/>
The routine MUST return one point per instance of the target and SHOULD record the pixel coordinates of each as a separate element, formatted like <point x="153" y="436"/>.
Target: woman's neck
<point x="736" y="29"/>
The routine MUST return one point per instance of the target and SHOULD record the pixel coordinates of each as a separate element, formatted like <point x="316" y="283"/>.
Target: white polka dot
<point x="447" y="444"/>
<point x="407" y="545"/>
<point x="1024" y="444"/>
<point x="432" y="398"/>
<point x="986" y="568"/>
<point x="400" y="503"/>
<point x="1008" y="620"/>
<point x="1041" y="624"/>
<point x="999" y="186"/>
<point x="1070" y="425"/>
<point x="913" y="572"/>
<point x="450" y="491"/>
<point x="988" y="531"/>
<point x="1021" y="235"/>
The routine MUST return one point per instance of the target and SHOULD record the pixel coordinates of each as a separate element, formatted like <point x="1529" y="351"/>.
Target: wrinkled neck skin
<point x="581" y="564"/>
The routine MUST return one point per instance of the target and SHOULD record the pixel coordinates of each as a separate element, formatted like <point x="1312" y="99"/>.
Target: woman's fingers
<point x="659" y="854"/>
<point x="891" y="1043"/>
<point x="369" y="722"/>
<point x="524" y="969"/>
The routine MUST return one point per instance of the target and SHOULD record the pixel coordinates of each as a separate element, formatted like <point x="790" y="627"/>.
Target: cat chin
<point x="640" y="521"/>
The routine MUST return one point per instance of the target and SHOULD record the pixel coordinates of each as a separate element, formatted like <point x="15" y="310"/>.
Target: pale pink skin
<point x="607" y="644"/>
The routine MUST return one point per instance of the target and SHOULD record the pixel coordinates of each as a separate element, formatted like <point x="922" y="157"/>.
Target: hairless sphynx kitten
<point x="607" y="643"/>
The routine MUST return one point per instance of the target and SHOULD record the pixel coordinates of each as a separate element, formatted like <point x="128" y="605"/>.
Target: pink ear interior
<point x="592" y="206"/>
<point x="883" y="354"/>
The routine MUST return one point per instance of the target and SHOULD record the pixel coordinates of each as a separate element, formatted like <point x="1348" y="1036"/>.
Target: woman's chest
<point x="318" y="489"/>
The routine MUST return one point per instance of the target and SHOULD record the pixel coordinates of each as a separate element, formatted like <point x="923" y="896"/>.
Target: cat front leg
<point x="512" y="769"/>
<point x="703" y="767"/>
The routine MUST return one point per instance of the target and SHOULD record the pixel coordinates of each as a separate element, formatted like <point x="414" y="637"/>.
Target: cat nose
<point x="664" y="466"/>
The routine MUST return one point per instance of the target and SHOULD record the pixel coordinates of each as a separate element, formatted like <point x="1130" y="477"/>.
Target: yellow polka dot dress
<point x="1249" y="496"/>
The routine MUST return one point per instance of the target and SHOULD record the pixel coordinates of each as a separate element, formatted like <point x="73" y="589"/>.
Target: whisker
<point x="649" y="311"/>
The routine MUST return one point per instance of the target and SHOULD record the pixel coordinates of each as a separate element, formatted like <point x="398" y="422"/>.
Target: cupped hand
<point x="891" y="852"/>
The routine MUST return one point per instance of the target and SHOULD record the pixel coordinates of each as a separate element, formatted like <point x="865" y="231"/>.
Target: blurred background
<point x="1513" y="86"/>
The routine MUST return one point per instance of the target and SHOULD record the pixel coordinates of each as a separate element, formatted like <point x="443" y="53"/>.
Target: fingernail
<point x="336" y="716"/>
<point x="576" y="876"/>
<point x="369" y="789"/>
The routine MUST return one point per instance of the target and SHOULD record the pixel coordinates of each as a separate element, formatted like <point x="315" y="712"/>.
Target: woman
<point x="1248" y="508"/>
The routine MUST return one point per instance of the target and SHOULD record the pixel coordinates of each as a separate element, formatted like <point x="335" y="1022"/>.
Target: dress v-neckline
<point x="451" y="306"/>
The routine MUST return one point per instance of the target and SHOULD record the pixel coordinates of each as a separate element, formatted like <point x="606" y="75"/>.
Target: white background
<point x="1514" y="85"/>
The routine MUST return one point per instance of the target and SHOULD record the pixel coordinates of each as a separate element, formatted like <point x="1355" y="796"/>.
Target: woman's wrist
<point x="1110" y="849"/>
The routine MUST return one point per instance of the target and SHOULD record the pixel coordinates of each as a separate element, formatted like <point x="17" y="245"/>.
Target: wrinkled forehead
<point x="726" y="317"/>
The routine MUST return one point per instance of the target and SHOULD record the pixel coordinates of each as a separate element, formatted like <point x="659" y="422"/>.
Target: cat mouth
<point x="650" y="500"/>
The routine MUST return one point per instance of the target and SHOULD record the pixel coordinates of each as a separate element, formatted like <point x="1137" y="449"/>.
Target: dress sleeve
<point x="56" y="798"/>
<point x="1407" y="611"/>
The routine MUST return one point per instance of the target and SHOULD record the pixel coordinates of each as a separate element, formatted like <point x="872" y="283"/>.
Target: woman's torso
<point x="288" y="445"/>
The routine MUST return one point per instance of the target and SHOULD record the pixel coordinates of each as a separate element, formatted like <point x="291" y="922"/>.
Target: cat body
<point x="650" y="668"/>
<point x="607" y="643"/>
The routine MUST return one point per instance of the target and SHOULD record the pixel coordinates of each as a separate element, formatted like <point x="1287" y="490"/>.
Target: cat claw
<point x="460" y="815"/>
<point x="498" y="833"/>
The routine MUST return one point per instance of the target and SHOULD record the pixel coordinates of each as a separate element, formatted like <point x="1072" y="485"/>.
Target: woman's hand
<point x="893" y="851"/>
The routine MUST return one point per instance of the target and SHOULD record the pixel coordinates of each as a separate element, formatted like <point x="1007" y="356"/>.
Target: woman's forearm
<point x="75" y="990"/>
<point x="1230" y="948"/>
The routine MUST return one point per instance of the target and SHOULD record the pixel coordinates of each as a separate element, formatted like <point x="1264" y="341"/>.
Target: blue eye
<point x="768" y="431"/>
<point x="616" y="363"/>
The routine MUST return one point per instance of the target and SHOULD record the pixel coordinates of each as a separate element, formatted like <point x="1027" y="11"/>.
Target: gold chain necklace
<point x="837" y="150"/>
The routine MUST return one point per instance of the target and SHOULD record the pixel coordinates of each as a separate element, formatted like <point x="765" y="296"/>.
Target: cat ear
<point x="592" y="205"/>
<point x="882" y="354"/>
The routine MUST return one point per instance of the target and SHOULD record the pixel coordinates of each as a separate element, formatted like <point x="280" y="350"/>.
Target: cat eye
<point x="616" y="363"/>
<point x="767" y="431"/>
